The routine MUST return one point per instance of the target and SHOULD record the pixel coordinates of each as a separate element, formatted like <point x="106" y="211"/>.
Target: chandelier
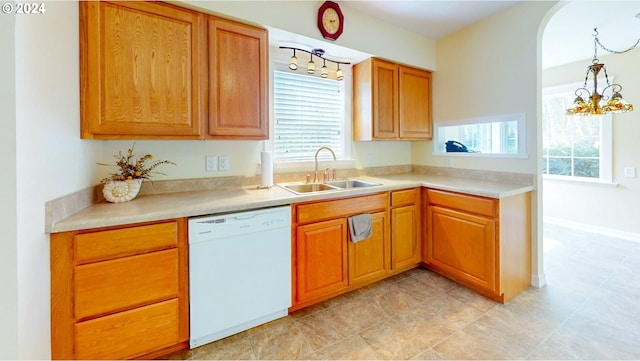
<point x="598" y="103"/>
<point x="311" y="66"/>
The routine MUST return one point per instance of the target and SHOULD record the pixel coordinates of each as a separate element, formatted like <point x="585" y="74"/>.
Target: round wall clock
<point x="330" y="20"/>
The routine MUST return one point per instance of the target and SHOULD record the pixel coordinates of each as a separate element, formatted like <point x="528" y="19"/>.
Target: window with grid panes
<point x="308" y="114"/>
<point x="577" y="147"/>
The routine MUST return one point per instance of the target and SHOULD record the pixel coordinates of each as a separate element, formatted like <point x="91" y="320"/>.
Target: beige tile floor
<point x="590" y="309"/>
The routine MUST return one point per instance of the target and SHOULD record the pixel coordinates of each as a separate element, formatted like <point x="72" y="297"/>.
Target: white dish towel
<point x="360" y="227"/>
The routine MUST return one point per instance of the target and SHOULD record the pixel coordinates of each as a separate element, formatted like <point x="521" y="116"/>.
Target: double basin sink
<point x="304" y="188"/>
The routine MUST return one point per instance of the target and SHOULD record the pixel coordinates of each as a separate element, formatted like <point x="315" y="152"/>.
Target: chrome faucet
<point x="315" y="179"/>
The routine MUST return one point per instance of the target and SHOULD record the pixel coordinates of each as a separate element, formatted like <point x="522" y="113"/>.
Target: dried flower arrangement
<point x="141" y="169"/>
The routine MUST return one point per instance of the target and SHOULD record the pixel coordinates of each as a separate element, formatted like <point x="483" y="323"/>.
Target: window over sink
<point x="309" y="112"/>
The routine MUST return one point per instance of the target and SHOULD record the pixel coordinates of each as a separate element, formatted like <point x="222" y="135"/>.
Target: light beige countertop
<point x="156" y="207"/>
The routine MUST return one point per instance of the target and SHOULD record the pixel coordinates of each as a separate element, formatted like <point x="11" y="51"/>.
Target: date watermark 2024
<point x="23" y="8"/>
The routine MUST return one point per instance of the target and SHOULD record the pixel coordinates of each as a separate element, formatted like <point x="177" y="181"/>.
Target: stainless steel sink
<point x="303" y="188"/>
<point x="352" y="183"/>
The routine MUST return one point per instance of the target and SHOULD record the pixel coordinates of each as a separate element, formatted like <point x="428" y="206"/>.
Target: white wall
<point x="52" y="161"/>
<point x="8" y="220"/>
<point x="361" y="32"/>
<point x="485" y="70"/>
<point x="597" y="205"/>
<point x="492" y="68"/>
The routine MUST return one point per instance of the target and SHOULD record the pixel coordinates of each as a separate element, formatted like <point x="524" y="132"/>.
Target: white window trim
<point x="347" y="161"/>
<point x="522" y="136"/>
<point x="606" y="136"/>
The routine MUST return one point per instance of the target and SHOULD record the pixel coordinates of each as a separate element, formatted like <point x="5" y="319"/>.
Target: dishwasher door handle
<point x="243" y="217"/>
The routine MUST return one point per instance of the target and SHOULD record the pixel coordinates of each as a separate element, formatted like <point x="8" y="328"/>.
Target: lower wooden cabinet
<point x="482" y="243"/>
<point x="321" y="255"/>
<point x="465" y="245"/>
<point x="325" y="261"/>
<point x="405" y="229"/>
<point x="132" y="332"/>
<point x="119" y="293"/>
<point x="369" y="258"/>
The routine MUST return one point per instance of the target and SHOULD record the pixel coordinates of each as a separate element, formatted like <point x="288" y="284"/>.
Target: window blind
<point x="308" y="114"/>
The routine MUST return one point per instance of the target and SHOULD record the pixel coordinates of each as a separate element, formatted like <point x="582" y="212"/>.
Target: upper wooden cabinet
<point x="391" y="101"/>
<point x="238" y="81"/>
<point x="415" y="103"/>
<point x="150" y="70"/>
<point x="141" y="69"/>
<point x="375" y="103"/>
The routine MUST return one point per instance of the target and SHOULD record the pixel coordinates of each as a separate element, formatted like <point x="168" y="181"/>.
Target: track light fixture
<point x="311" y="66"/>
<point x="293" y="63"/>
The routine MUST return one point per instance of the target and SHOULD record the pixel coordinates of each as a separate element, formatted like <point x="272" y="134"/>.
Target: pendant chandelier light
<point x="311" y="66"/>
<point x="598" y="103"/>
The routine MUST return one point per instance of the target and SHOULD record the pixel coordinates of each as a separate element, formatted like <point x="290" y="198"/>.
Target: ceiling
<point x="567" y="37"/>
<point x="432" y="19"/>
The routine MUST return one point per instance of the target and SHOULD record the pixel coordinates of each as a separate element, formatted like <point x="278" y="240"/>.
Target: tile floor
<point x="590" y="309"/>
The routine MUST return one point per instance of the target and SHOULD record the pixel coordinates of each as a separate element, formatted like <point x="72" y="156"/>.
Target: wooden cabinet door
<point x="141" y="66"/>
<point x="129" y="334"/>
<point x="118" y="284"/>
<point x="405" y="237"/>
<point x="321" y="259"/>
<point x="385" y="100"/>
<point x="463" y="246"/>
<point x="415" y="104"/>
<point x="369" y="258"/>
<point x="238" y="81"/>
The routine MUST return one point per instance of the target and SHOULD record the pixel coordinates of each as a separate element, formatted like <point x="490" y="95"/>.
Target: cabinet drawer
<point x="118" y="284"/>
<point x="312" y="212"/>
<point x="128" y="334"/>
<point x="126" y="241"/>
<point x="404" y="197"/>
<point x="478" y="205"/>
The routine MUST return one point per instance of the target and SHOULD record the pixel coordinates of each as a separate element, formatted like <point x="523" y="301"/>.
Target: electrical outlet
<point x="629" y="172"/>
<point x="224" y="163"/>
<point x="211" y="163"/>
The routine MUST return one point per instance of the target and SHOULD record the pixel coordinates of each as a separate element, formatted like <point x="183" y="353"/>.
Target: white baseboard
<point x="610" y="232"/>
<point x="538" y="281"/>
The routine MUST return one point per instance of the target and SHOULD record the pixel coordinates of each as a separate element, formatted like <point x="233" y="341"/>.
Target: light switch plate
<point x="211" y="163"/>
<point x="224" y="163"/>
<point x="629" y="172"/>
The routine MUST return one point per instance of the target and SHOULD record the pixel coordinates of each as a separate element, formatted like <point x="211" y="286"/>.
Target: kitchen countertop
<point x="156" y="207"/>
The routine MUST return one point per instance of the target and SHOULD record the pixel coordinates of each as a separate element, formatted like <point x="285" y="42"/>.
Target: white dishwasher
<point x="239" y="272"/>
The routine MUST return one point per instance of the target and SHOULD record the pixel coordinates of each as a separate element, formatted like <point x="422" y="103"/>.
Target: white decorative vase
<point x="121" y="191"/>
